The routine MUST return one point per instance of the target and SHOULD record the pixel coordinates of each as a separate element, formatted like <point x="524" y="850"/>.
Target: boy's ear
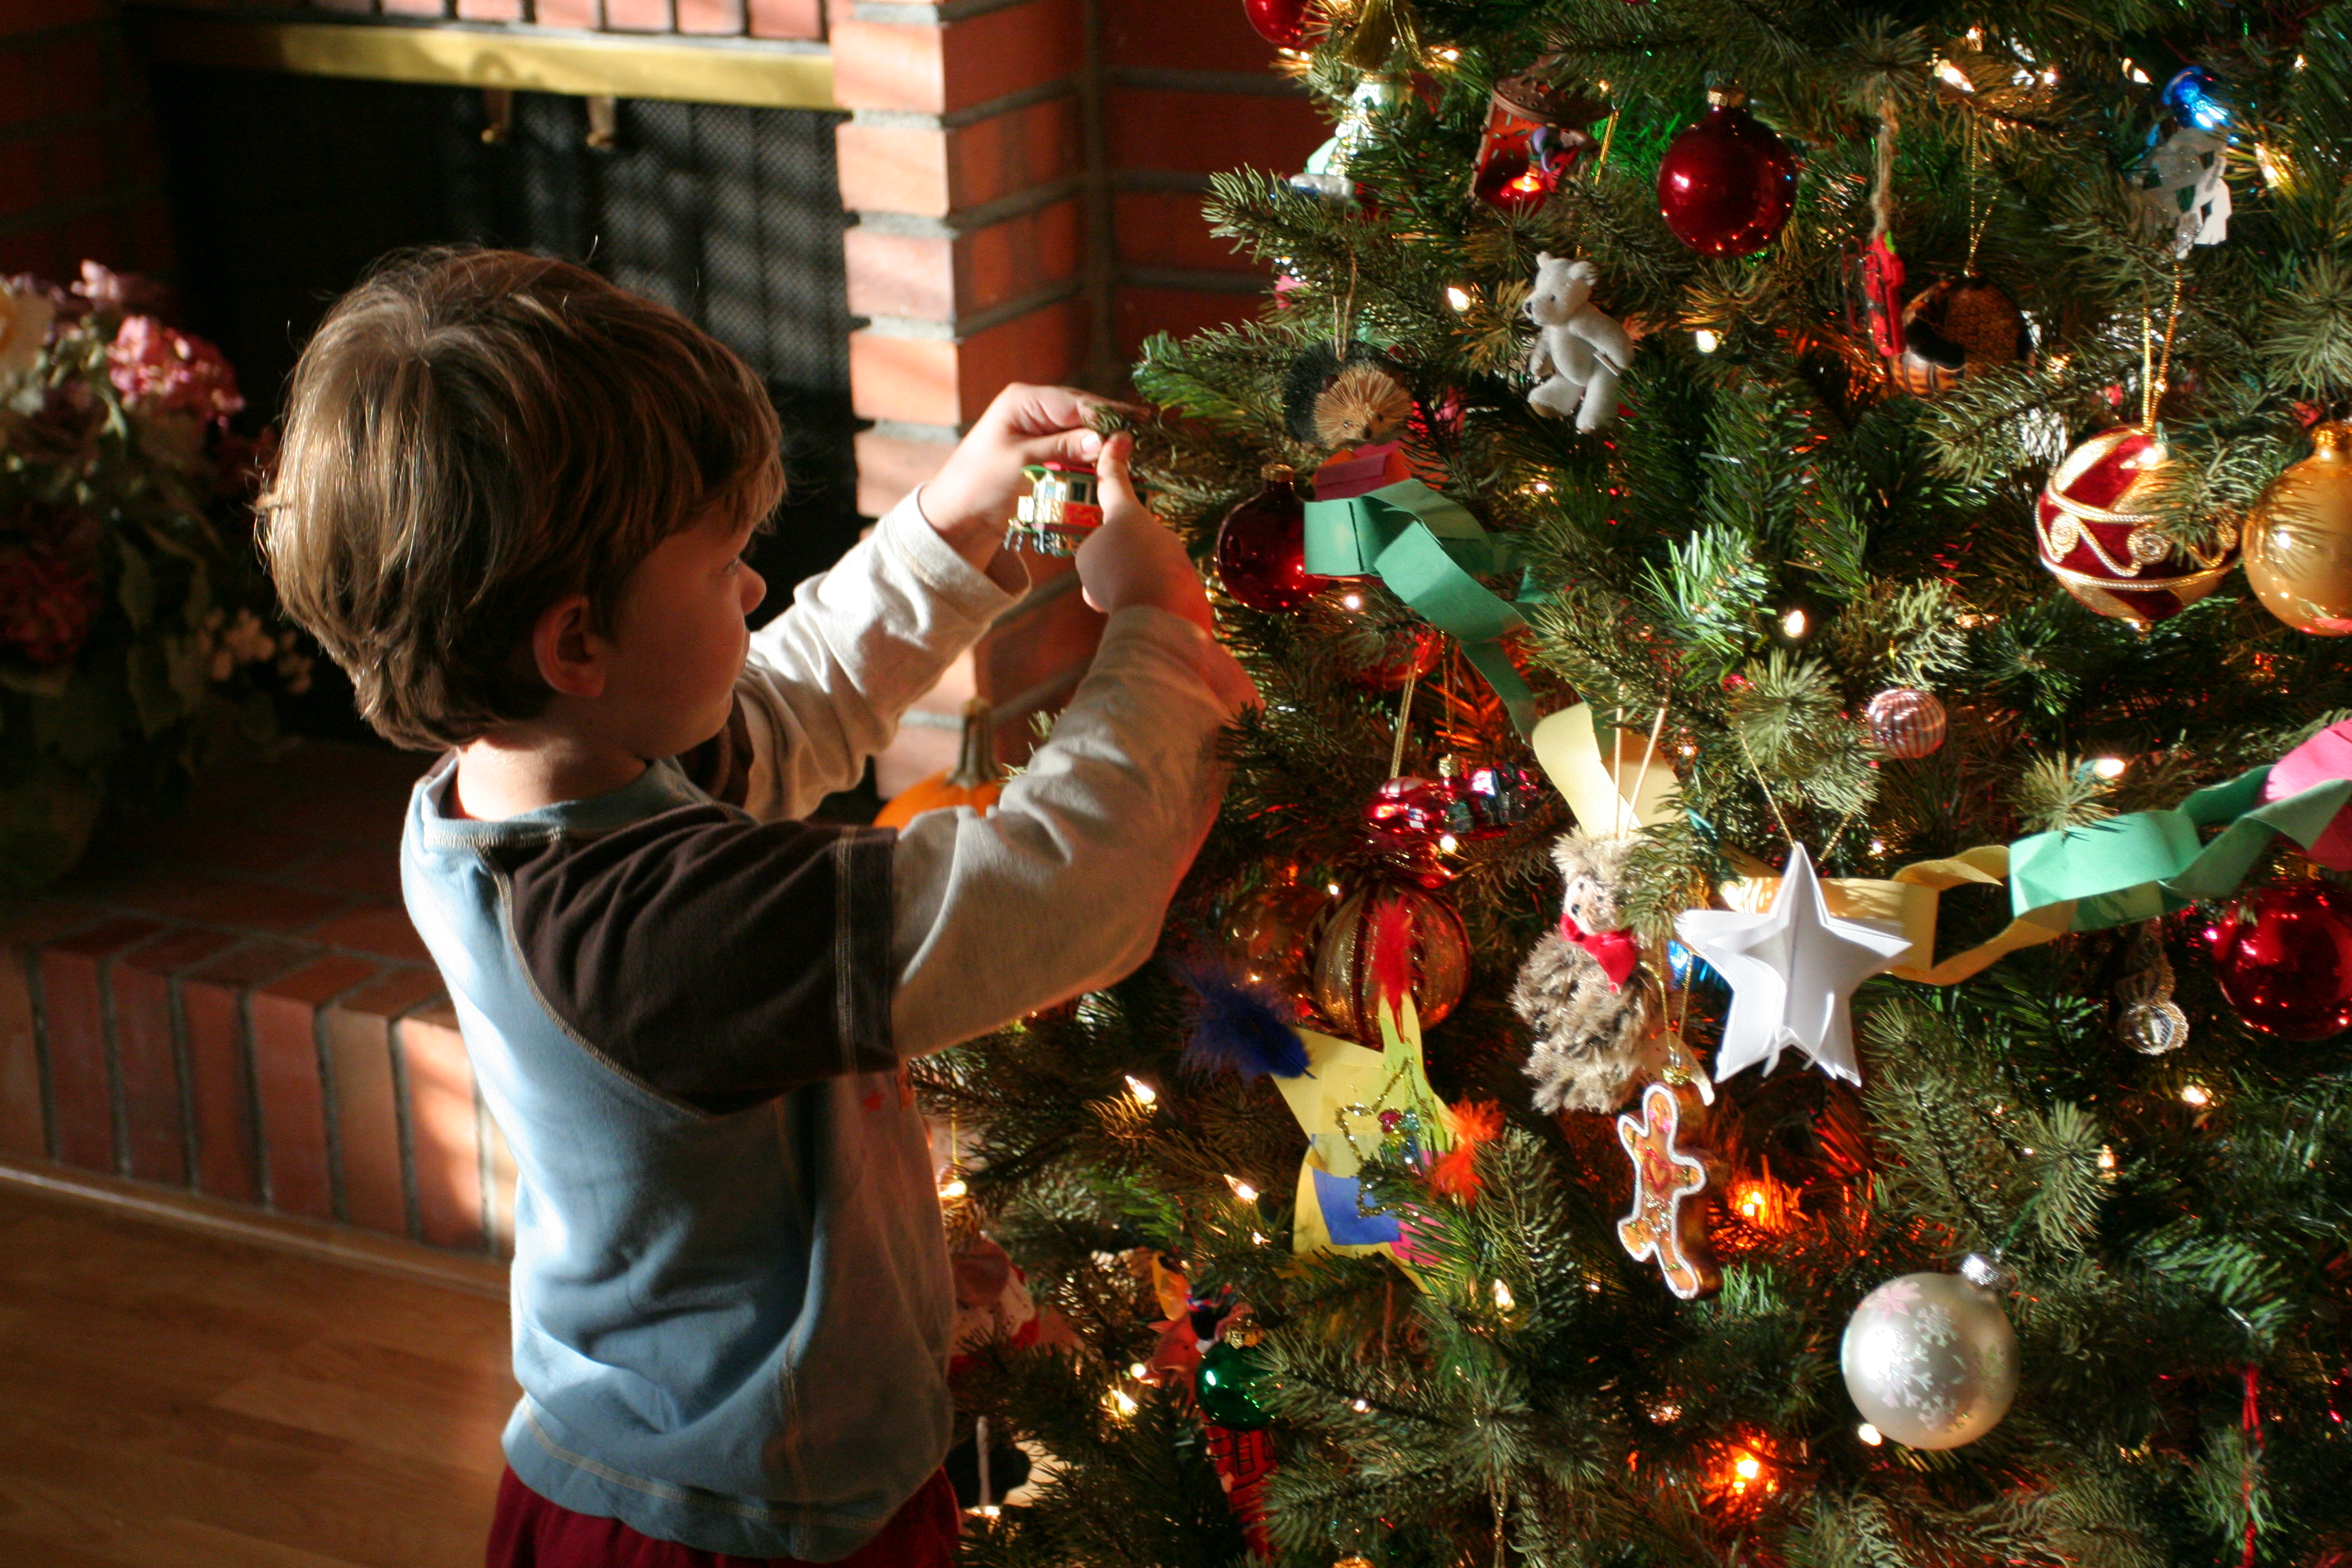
<point x="568" y="654"/>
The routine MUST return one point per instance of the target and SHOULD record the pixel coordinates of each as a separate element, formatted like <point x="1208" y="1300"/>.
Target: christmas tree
<point x="1769" y="986"/>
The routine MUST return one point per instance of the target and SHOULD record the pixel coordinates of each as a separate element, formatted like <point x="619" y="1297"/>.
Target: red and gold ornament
<point x="1726" y="183"/>
<point x="1422" y="934"/>
<point x="1261" y="550"/>
<point x="1905" y="721"/>
<point x="2284" y="960"/>
<point x="2097" y="538"/>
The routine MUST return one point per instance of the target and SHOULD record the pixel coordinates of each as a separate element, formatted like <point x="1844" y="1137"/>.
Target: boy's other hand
<point x="969" y="501"/>
<point x="1133" y="559"/>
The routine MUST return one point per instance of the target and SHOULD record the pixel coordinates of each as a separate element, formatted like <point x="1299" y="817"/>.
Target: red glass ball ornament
<point x="1262" y="549"/>
<point x="2098" y="536"/>
<point x="1283" y="23"/>
<point x="1726" y="184"/>
<point x="2284" y="961"/>
<point x="1510" y="183"/>
<point x="1905" y="721"/>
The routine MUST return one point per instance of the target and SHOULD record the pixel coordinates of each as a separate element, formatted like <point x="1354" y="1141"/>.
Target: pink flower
<point x="126" y="292"/>
<point x="158" y="370"/>
<point x="47" y="605"/>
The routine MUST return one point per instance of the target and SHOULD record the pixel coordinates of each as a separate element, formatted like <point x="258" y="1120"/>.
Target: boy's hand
<point x="970" y="499"/>
<point x="1133" y="559"/>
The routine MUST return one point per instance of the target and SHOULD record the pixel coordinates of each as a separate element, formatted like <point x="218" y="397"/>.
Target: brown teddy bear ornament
<point x="1584" y="989"/>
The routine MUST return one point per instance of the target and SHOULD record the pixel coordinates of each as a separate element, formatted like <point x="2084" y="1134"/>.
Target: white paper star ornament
<point x="1792" y="970"/>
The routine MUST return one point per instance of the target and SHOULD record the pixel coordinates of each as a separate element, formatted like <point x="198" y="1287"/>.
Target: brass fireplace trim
<point x="718" y="70"/>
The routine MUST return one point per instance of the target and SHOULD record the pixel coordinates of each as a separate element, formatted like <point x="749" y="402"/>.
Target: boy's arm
<point x="1062" y="886"/>
<point x="829" y="678"/>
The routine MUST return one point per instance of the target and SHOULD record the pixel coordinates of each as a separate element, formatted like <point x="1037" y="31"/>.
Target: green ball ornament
<point x="1227" y="1387"/>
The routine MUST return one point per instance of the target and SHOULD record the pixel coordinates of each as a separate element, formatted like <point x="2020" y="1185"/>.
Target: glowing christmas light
<point x="1242" y="1189"/>
<point x="1144" y="1093"/>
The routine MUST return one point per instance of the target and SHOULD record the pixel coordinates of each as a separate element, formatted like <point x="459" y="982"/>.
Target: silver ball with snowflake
<point x="1930" y="1359"/>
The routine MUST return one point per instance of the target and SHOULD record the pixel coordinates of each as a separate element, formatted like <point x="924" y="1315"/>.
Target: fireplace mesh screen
<point x="285" y="187"/>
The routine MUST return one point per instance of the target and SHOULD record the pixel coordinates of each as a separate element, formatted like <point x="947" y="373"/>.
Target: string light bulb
<point x="1706" y="341"/>
<point x="1144" y="1093"/>
<point x="953" y="1187"/>
<point x="2198" y="1095"/>
<point x="1242" y="1189"/>
<point x="2108" y="767"/>
<point x="1870" y="1435"/>
<point x="1793" y="625"/>
<point x="1457" y="296"/>
<point x="1504" y="1299"/>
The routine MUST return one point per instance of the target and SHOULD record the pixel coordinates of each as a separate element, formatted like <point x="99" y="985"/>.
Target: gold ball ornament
<point x="2097" y="535"/>
<point x="1954" y="329"/>
<point x="2299" y="539"/>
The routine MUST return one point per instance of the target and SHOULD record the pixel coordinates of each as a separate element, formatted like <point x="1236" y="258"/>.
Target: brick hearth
<point x="232" y="1003"/>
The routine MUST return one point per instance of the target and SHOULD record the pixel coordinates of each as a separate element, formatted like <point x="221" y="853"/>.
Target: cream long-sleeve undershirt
<point x="1063" y="886"/>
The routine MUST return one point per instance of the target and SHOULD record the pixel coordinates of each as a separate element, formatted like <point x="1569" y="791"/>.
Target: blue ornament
<point x="2190" y="95"/>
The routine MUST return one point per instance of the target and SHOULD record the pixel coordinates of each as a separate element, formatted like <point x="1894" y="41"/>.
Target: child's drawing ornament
<point x="1579" y="353"/>
<point x="1058" y="512"/>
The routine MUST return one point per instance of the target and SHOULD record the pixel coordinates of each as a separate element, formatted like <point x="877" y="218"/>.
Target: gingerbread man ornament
<point x="1667" y="1223"/>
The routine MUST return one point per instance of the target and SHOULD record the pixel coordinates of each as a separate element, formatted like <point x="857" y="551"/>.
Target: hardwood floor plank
<point x="179" y="1400"/>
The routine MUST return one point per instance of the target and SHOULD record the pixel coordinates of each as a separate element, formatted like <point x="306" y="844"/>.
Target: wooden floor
<point x="175" y="1400"/>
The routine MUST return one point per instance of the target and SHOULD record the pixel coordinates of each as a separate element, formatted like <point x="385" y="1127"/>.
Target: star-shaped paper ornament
<point x="1792" y="970"/>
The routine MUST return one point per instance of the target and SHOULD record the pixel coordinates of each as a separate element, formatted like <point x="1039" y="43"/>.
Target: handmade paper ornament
<point x="1792" y="971"/>
<point x="1058" y="513"/>
<point x="1488" y="802"/>
<point x="1579" y="353"/>
<point x="2179" y="180"/>
<point x="1583" y="989"/>
<point x="2298" y="538"/>
<point x="1431" y="942"/>
<point x="1906" y="723"/>
<point x="2284" y="958"/>
<point x="1261" y="551"/>
<point x="1930" y="1359"/>
<point x="2326" y="756"/>
<point x="1286" y="24"/>
<point x="1726" y="184"/>
<point x="1954" y="329"/>
<point x="1668" y="1222"/>
<point x="1535" y="133"/>
<point x="1336" y="397"/>
<point x="2097" y="538"/>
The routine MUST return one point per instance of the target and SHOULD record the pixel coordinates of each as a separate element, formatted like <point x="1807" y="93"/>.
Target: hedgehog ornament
<point x="1584" y="989"/>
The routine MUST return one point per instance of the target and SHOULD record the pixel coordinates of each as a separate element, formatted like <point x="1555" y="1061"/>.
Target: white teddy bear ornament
<point x="1579" y="353"/>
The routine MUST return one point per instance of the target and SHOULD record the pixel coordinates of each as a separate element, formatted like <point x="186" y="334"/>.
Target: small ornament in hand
<point x="1060" y="510"/>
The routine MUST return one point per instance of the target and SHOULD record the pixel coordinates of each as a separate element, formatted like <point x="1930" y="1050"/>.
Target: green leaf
<point x="137" y="588"/>
<point x="154" y="691"/>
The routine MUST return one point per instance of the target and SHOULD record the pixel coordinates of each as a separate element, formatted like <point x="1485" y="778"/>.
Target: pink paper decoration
<point x="2326" y="755"/>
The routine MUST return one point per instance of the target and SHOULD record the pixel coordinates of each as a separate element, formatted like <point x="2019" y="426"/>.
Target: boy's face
<point x="681" y="638"/>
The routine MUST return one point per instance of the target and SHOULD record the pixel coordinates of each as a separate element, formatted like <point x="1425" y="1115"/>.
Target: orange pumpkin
<point x="976" y="780"/>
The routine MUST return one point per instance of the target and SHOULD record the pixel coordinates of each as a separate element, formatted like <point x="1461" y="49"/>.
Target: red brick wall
<point x="79" y="176"/>
<point x="233" y="1002"/>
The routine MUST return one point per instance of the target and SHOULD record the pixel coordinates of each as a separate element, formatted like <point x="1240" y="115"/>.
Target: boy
<point x="511" y="501"/>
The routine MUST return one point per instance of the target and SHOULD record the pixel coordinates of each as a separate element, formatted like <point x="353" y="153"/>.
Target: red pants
<point x="528" y="1531"/>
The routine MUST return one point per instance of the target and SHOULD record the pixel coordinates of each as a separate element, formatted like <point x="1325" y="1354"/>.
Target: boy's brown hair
<point x="471" y="436"/>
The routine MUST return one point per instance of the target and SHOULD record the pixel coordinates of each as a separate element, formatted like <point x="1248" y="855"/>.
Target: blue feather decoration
<point x="1242" y="1027"/>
